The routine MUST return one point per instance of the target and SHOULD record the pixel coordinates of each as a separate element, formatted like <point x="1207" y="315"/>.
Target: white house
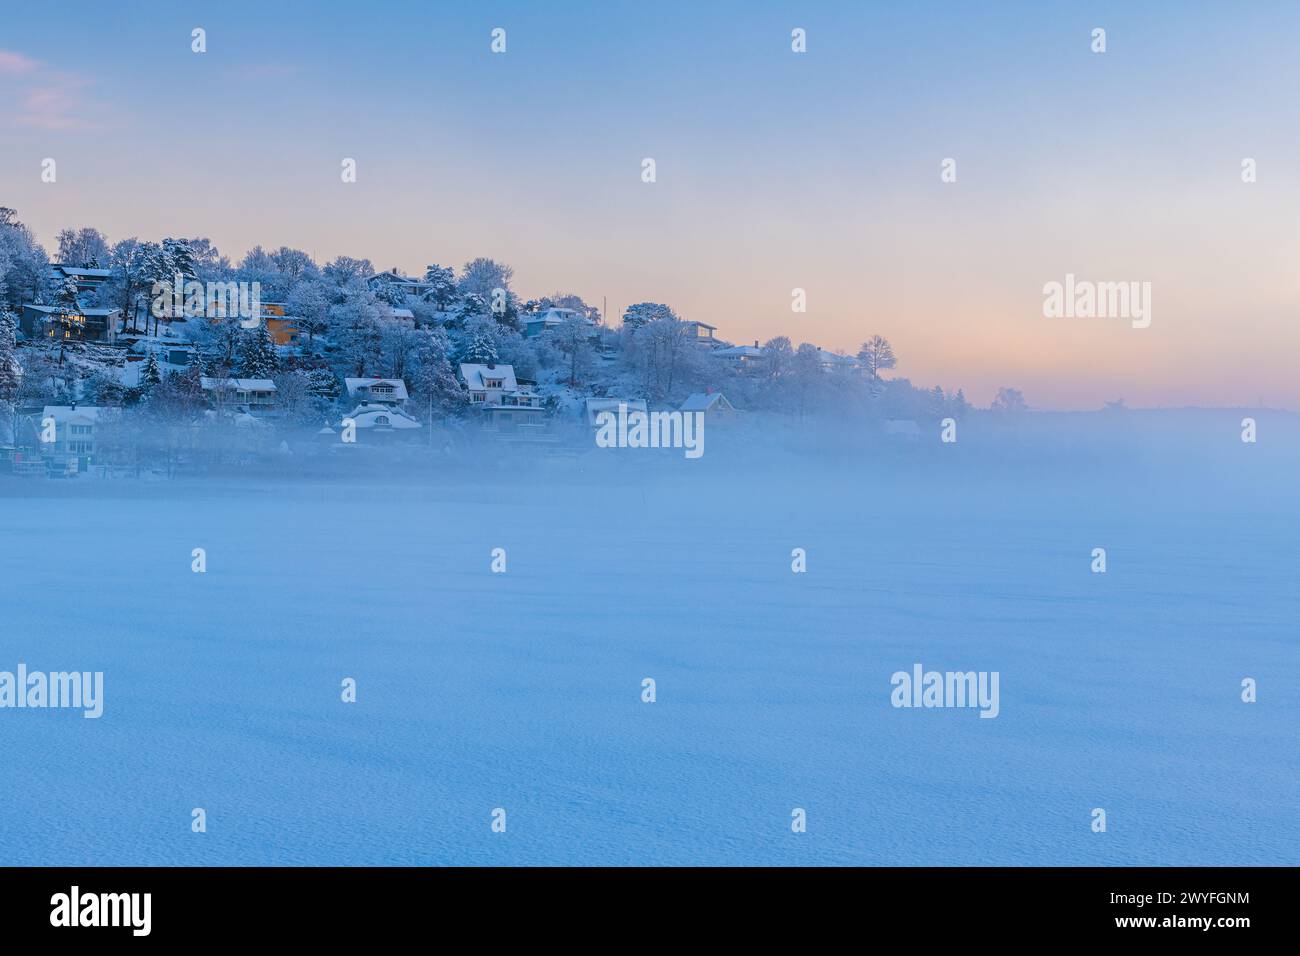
<point x="382" y="422"/>
<point x="76" y="430"/>
<point x="381" y="391"/>
<point x="592" y="407"/>
<point x="741" y="354"/>
<point x="251" y="394"/>
<point x="495" y="390"/>
<point x="714" y="405"/>
<point x="415" y="288"/>
<point x="535" y="323"/>
<point x="833" y="360"/>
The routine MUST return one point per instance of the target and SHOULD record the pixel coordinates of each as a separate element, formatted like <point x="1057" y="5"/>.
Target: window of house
<point x="381" y="419"/>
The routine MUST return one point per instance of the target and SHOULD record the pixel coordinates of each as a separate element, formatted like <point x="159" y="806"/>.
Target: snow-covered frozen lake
<point x="522" y="690"/>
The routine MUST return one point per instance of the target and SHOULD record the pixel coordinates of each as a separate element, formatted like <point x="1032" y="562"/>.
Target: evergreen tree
<point x="10" y="371"/>
<point x="257" y="355"/>
<point x="151" y="374"/>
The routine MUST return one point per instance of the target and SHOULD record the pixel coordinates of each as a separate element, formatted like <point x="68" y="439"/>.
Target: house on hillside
<point x="415" y="288"/>
<point x="715" y="406"/>
<point x="377" y="391"/>
<point x="79" y="325"/>
<point x="505" y="402"/>
<point x="701" y="333"/>
<point x="592" y="407"/>
<point x="76" y="430"/>
<point x="741" y="355"/>
<point x="382" y="423"/>
<point x="831" y="361"/>
<point x="87" y="279"/>
<point x="535" y="323"/>
<point x="245" y="394"/>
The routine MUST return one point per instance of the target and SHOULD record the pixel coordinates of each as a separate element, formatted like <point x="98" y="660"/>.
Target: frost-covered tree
<point x="391" y="293"/>
<point x="481" y="276"/>
<point x="645" y="312"/>
<point x="434" y="384"/>
<point x="151" y="374"/>
<point x="443" y="279"/>
<point x="876" y="355"/>
<point x="11" y="372"/>
<point x="87" y="248"/>
<point x="660" y="355"/>
<point x="346" y="274"/>
<point x="573" y="340"/>
<point x="309" y="304"/>
<point x="23" y="263"/>
<point x="778" y="358"/>
<point x="1009" y="400"/>
<point x="257" y="355"/>
<point x="480" y="348"/>
<point x="127" y="284"/>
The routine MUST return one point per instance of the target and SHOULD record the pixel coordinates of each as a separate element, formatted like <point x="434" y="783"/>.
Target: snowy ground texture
<point x="522" y="690"/>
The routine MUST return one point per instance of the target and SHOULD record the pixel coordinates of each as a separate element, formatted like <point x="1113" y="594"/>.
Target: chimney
<point x="755" y="343"/>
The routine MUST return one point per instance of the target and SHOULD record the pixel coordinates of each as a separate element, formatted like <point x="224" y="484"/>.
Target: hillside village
<point x="104" y="364"/>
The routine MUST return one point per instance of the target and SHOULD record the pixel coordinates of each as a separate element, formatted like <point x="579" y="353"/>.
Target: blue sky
<point x="775" y="170"/>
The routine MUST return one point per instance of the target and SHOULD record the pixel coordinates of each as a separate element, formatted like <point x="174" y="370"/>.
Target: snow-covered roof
<point x="381" y="416"/>
<point x="355" y="385"/>
<point x="240" y="384"/>
<point x="834" y="358"/>
<point x="474" y="374"/>
<point x="57" y="310"/>
<point x="702" y="402"/>
<point x="63" y="414"/>
<point x="594" y="406"/>
<point x="553" y="315"/>
<point x="80" y="271"/>
<point x="740" y="351"/>
<point x="403" y="314"/>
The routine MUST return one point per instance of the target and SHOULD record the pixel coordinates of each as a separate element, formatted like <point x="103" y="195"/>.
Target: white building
<point x="592" y="407"/>
<point x="383" y="391"/>
<point x="714" y="405"/>
<point x="535" y="323"/>
<point x="249" y="394"/>
<point x="378" y="422"/>
<point x="76" y="431"/>
<point x="495" y="390"/>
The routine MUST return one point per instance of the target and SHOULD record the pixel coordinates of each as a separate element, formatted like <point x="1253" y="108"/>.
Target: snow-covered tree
<point x="480" y="348"/>
<point x="151" y="374"/>
<point x="87" y="248"/>
<point x="11" y="372"/>
<point x="1009" y="400"/>
<point x="391" y="293"/>
<point x="481" y="276"/>
<point x="23" y="263"/>
<point x="573" y="340"/>
<point x="646" y="312"/>
<point x="443" y="280"/>
<point x="434" y="384"/>
<point x="257" y="355"/>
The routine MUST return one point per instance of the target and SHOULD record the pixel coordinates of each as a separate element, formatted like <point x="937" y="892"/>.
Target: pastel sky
<point x="775" y="170"/>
